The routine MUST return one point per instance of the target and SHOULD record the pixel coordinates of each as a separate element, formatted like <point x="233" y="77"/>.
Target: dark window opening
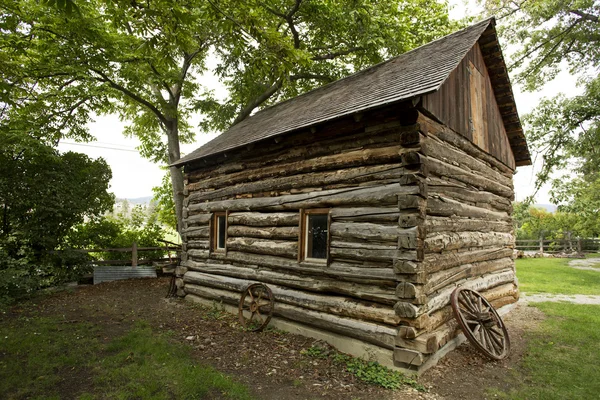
<point x="317" y="231"/>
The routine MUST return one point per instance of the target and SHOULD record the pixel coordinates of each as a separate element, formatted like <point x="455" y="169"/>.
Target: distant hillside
<point x="547" y="207"/>
<point x="137" y="200"/>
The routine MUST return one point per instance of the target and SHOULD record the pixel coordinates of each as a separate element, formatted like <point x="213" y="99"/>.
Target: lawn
<point x="563" y="355"/>
<point x="554" y="276"/>
<point x="69" y="359"/>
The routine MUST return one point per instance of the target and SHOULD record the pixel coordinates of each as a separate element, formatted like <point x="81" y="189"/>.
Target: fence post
<point x="134" y="256"/>
<point x="579" y="247"/>
<point x="541" y="244"/>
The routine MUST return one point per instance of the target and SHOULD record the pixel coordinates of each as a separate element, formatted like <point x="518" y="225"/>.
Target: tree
<point x="554" y="34"/>
<point x="44" y="193"/>
<point x="144" y="60"/>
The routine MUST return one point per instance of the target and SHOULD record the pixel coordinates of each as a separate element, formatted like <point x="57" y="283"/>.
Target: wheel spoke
<point x="497" y="343"/>
<point x="467" y="305"/>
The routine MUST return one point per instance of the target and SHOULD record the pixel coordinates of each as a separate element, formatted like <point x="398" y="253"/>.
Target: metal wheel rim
<point x="487" y="333"/>
<point x="257" y="300"/>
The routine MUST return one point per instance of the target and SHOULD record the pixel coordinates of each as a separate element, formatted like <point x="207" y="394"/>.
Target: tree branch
<point x="318" y="77"/>
<point x="245" y="112"/>
<point x="131" y="95"/>
<point x="331" y="56"/>
<point x="585" y="16"/>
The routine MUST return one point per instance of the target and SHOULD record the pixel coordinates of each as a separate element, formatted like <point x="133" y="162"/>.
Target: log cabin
<point x="364" y="203"/>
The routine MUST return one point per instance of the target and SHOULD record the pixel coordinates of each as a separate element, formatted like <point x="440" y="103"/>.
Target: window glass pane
<point x="316" y="232"/>
<point x="221" y="232"/>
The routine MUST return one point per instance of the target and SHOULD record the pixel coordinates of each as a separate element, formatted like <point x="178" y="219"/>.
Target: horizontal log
<point x="431" y="342"/>
<point x="274" y="158"/>
<point x="369" y="332"/>
<point x="408" y="357"/>
<point x="264" y="219"/>
<point x="445" y="207"/>
<point x="435" y="224"/>
<point x="195" y="232"/>
<point x="197" y="219"/>
<point x="443" y="169"/>
<point x="439" y="300"/>
<point x="336" y="305"/>
<point x="434" y="262"/>
<point x="284" y="232"/>
<point x="197" y="253"/>
<point x="375" y="195"/>
<point x="434" y="147"/>
<point x="371" y="232"/>
<point x="341" y="271"/>
<point x="457" y="240"/>
<point x="365" y="214"/>
<point x="448" y="135"/>
<point x="261" y="246"/>
<point x="350" y="176"/>
<point x="198" y="244"/>
<point x="473" y="197"/>
<point x="369" y="292"/>
<point x="447" y="277"/>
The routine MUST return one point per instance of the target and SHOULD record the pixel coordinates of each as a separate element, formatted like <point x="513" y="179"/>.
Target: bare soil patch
<point x="271" y="363"/>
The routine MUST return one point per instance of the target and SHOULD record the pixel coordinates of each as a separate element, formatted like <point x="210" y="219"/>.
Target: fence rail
<point x="168" y="248"/>
<point x="579" y="245"/>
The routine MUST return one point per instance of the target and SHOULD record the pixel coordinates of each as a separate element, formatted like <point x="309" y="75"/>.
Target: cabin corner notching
<point x="367" y="202"/>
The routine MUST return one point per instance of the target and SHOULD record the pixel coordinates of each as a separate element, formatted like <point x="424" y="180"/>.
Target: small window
<point x="315" y="235"/>
<point x="219" y="231"/>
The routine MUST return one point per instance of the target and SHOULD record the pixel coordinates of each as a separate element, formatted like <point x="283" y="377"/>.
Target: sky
<point x="134" y="176"/>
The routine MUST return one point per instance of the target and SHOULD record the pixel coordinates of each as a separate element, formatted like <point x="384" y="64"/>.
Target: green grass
<point x="592" y="255"/>
<point x="563" y="355"/>
<point x="41" y="358"/>
<point x="554" y="276"/>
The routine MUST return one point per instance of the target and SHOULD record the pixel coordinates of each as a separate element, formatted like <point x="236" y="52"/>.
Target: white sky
<point x="134" y="176"/>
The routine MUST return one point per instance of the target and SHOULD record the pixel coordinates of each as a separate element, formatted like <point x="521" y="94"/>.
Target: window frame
<point x="215" y="232"/>
<point x="303" y="238"/>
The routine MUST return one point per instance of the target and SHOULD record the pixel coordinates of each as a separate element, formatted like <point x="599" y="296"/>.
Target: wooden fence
<point x="552" y="246"/>
<point x="170" y="249"/>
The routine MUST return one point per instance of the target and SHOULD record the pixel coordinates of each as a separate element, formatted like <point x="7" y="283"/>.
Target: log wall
<point x="415" y="210"/>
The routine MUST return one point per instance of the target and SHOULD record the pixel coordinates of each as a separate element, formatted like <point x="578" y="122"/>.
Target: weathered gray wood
<point x="365" y="214"/>
<point x="261" y="246"/>
<point x="198" y="219"/>
<point x="435" y="224"/>
<point x="341" y="271"/>
<point x="380" y="335"/>
<point x="264" y="219"/>
<point x="197" y="254"/>
<point x="322" y="284"/>
<point x="370" y="232"/>
<point x="448" y="135"/>
<point x="408" y="357"/>
<point x="375" y="195"/>
<point x="442" y="169"/>
<point x="351" y="176"/>
<point x="324" y="155"/>
<point x="285" y="232"/>
<point x="470" y="196"/>
<point x="433" y="147"/>
<point x="434" y="262"/>
<point x="443" y="206"/>
<point x="196" y="232"/>
<point x="457" y="240"/>
<point x="336" y="305"/>
<point x="197" y="244"/>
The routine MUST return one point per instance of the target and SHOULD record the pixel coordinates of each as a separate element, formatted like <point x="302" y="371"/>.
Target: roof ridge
<point x="368" y="69"/>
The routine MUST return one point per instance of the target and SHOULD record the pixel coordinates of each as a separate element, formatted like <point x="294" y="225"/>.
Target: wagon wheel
<point x="480" y="323"/>
<point x="256" y="307"/>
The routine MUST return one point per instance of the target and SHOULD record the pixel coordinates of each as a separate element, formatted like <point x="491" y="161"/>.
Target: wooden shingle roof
<point x="415" y="73"/>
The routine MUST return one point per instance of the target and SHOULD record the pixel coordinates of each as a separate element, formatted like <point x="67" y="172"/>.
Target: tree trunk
<point x="172" y="129"/>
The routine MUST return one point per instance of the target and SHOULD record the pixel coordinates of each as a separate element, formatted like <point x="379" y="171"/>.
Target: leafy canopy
<point x="145" y="60"/>
<point x="553" y="35"/>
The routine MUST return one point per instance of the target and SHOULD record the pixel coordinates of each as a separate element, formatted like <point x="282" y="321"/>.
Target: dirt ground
<point x="270" y="363"/>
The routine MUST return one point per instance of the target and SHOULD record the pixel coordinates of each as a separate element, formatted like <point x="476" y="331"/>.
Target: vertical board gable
<point x="466" y="103"/>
